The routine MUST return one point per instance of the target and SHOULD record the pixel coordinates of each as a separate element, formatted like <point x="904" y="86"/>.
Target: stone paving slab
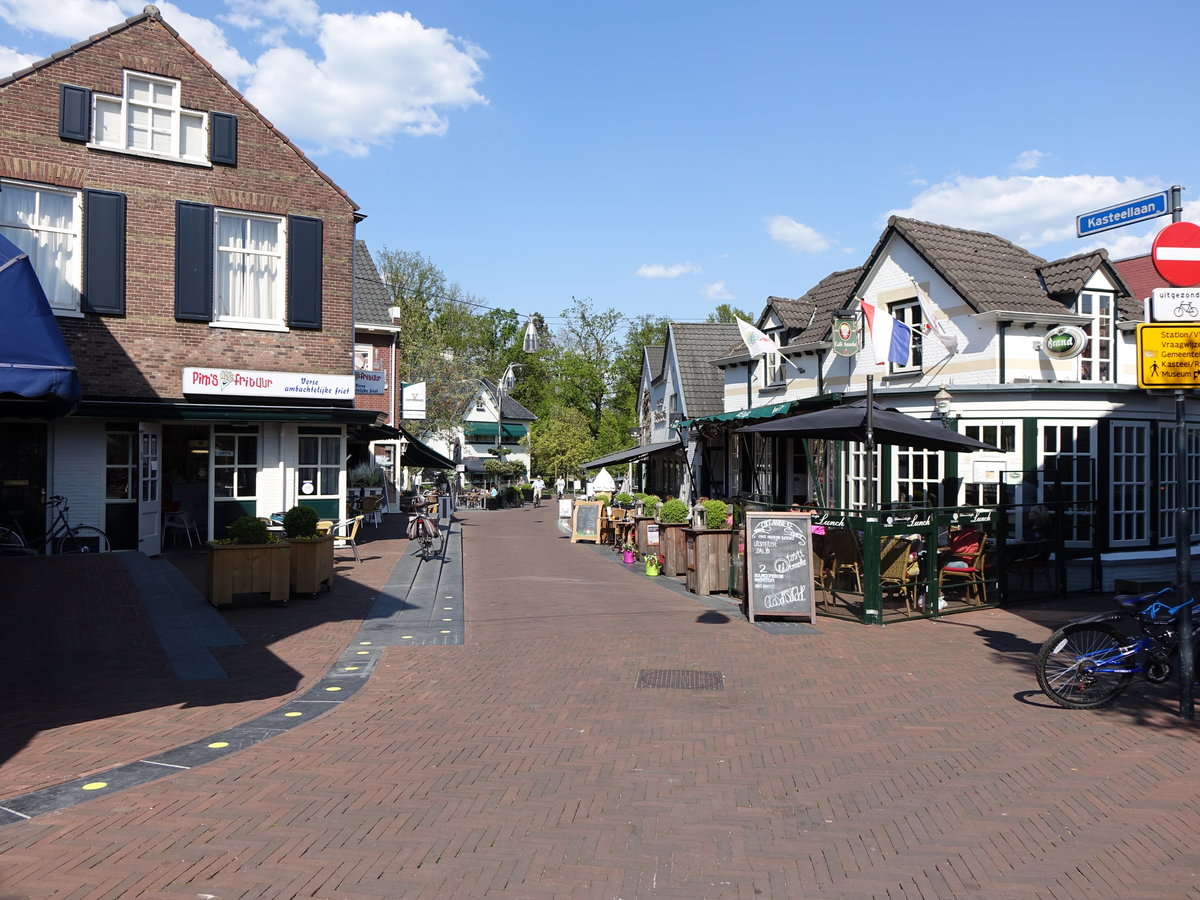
<point x="914" y="760"/>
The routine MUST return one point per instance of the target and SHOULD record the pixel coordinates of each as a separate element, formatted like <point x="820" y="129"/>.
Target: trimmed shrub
<point x="716" y="513"/>
<point x="250" y="530"/>
<point x="673" y="512"/>
<point x="300" y="522"/>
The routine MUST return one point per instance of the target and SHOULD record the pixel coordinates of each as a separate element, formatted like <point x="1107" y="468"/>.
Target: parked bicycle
<point x="1089" y="662"/>
<point x="423" y="527"/>
<point x="60" y="537"/>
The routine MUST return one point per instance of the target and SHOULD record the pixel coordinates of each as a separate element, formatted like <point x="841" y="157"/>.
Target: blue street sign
<point x="1123" y="214"/>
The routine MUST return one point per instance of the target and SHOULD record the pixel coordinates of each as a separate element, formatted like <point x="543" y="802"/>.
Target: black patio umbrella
<point x="861" y="423"/>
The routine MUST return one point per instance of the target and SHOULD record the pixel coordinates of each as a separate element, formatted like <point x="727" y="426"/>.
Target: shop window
<point x="918" y="477"/>
<point x="1068" y="467"/>
<point x="235" y="463"/>
<point x="1168" y="503"/>
<point x="1129" y="518"/>
<point x="319" y="466"/>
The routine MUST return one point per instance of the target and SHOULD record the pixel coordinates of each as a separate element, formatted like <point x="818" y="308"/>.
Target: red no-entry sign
<point x="1176" y="253"/>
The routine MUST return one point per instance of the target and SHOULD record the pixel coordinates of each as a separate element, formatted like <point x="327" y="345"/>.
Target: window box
<point x="311" y="564"/>
<point x="235" y="569"/>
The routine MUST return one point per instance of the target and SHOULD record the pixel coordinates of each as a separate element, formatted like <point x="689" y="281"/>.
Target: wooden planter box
<point x="248" y="569"/>
<point x="707" y="559"/>
<point x="311" y="564"/>
<point x="647" y="533"/>
<point x="673" y="546"/>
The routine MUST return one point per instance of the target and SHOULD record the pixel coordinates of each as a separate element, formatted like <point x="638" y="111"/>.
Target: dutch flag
<point x="891" y="339"/>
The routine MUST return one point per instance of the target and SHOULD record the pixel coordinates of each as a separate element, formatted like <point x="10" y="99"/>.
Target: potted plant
<point x="312" y="553"/>
<point x="707" y="551"/>
<point x="653" y="563"/>
<point x="629" y="553"/>
<point x="672" y="519"/>
<point x="624" y="501"/>
<point x="250" y="561"/>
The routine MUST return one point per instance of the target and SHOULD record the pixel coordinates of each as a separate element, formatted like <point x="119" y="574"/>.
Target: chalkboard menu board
<point x="585" y="521"/>
<point x="779" y="573"/>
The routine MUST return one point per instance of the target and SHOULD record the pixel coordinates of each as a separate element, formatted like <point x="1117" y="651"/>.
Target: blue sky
<point x="664" y="157"/>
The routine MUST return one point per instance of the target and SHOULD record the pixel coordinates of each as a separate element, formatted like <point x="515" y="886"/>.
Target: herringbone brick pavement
<point x="912" y="761"/>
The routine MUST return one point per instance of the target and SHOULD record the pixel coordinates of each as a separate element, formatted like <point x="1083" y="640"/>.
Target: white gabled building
<point x="1076" y="433"/>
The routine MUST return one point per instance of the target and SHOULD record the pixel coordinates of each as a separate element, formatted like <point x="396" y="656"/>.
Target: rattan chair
<point x="844" y="559"/>
<point x="965" y="566"/>
<point x="895" y="561"/>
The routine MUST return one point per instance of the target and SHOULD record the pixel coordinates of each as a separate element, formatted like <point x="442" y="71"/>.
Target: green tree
<point x="588" y="350"/>
<point x="561" y="442"/>
<point x="726" y="314"/>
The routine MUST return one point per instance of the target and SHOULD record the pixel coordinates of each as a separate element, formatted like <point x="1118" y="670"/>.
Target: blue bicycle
<point x="1089" y="662"/>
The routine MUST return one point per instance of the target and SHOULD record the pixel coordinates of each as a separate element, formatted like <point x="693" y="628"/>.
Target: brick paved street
<point x="916" y="760"/>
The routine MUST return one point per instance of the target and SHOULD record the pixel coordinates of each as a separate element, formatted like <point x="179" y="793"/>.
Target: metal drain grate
<point x="684" y="679"/>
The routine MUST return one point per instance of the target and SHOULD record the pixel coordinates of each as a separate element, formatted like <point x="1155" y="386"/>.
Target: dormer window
<point x="148" y="119"/>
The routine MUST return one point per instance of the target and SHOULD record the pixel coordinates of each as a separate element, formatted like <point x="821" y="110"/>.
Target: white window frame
<point x="364" y="357"/>
<point x="1168" y="505"/>
<point x="235" y="463"/>
<point x="1130" y="467"/>
<point x="278" y="320"/>
<point x="915" y="470"/>
<point x="1095" y="363"/>
<point x="327" y="468"/>
<point x="909" y="312"/>
<point x="116" y="119"/>
<point x="62" y="292"/>
<point x="1077" y="503"/>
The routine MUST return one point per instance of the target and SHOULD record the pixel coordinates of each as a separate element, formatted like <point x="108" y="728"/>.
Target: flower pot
<point x="628" y="557"/>
<point x="652" y="567"/>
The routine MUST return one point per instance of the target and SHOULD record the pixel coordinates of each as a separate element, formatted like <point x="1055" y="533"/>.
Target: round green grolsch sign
<point x="1064" y="342"/>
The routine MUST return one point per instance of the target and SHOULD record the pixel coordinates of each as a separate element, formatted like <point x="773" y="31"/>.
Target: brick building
<point x="200" y="269"/>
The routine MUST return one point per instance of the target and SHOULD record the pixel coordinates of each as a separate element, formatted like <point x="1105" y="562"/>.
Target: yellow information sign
<point x="1168" y="355"/>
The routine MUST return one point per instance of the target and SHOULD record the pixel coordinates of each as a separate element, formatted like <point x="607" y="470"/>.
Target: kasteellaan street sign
<point x="1168" y="355"/>
<point x="1122" y="214"/>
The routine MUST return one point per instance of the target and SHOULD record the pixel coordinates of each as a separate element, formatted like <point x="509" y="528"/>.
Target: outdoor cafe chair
<point x="964" y="564"/>
<point x="345" y="535"/>
<point x="845" y="557"/>
<point x="895" y="560"/>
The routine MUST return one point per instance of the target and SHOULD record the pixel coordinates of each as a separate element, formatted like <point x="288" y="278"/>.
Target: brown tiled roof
<point x="152" y="14"/>
<point x="696" y="345"/>
<point x="988" y="272"/>
<point x="1068" y="276"/>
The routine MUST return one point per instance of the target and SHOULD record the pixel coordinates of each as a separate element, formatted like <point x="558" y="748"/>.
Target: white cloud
<point x="717" y="291"/>
<point x="796" y="235"/>
<point x="658" y="270"/>
<point x="1028" y="160"/>
<point x="380" y="74"/>
<point x="1031" y="211"/>
<point x="330" y="82"/>
<point x="12" y="61"/>
<point x="73" y="19"/>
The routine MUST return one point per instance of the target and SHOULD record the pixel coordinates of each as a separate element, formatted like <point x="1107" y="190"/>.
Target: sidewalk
<point x="598" y="735"/>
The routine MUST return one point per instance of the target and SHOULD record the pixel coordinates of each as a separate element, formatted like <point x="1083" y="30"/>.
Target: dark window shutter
<point x="193" y="262"/>
<point x="104" y="253"/>
<point x="74" y="113"/>
<point x="304" y="272"/>
<point x="222" y="139"/>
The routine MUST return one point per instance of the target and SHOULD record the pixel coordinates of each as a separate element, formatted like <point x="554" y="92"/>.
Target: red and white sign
<point x="247" y="383"/>
<point x="1176" y="253"/>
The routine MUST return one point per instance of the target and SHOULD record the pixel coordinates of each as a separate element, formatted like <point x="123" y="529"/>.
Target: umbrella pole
<point x="869" y="443"/>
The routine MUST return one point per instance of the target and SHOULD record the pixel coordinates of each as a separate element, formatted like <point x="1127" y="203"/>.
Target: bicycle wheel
<point x="1084" y="666"/>
<point x="84" y="539"/>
